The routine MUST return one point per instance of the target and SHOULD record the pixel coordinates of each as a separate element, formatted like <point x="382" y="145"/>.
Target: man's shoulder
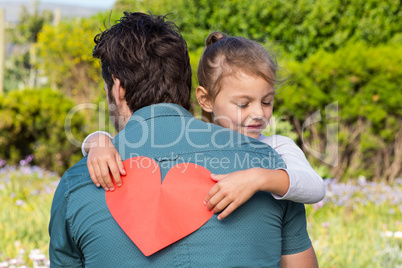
<point x="76" y="174"/>
<point x="71" y="179"/>
<point x="74" y="178"/>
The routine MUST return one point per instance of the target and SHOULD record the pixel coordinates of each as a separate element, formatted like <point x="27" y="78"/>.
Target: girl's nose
<point x="257" y="112"/>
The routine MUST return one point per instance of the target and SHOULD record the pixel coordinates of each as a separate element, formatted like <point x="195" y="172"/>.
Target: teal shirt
<point x="84" y="234"/>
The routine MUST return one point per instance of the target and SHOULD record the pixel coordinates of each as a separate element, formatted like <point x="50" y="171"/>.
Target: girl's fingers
<point x="214" y="201"/>
<point x="106" y="175"/>
<point x="114" y="169"/>
<point x="217" y="177"/>
<point x="211" y="193"/>
<point x="221" y="205"/>
<point x="120" y="164"/>
<point x="99" y="175"/>
<point x="227" y="211"/>
<point x="92" y="174"/>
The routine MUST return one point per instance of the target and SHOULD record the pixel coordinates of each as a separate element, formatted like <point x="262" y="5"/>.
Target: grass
<point x="359" y="224"/>
<point x="25" y="198"/>
<point x="345" y="237"/>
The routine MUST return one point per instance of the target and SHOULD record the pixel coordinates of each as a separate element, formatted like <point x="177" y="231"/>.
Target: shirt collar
<point x="160" y="109"/>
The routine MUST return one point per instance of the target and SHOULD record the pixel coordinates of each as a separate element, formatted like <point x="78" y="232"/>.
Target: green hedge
<point x="301" y="27"/>
<point x="33" y="122"/>
<point x="365" y="83"/>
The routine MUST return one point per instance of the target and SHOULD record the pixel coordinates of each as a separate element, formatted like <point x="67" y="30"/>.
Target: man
<point x="147" y="75"/>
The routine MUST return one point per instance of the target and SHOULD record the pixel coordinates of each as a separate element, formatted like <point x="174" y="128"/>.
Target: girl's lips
<point x="254" y="127"/>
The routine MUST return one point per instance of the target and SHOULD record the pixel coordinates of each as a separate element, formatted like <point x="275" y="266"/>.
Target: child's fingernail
<point x="106" y="189"/>
<point x="212" y="175"/>
<point x="119" y="184"/>
<point x="112" y="189"/>
<point x="97" y="185"/>
<point x="219" y="218"/>
<point x="205" y="202"/>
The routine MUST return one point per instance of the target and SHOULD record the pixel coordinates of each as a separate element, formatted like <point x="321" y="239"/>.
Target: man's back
<point x="256" y="234"/>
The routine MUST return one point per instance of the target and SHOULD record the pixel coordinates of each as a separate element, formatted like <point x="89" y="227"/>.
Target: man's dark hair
<point x="150" y="58"/>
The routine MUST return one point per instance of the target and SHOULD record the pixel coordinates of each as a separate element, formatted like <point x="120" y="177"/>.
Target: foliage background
<point x="32" y="124"/>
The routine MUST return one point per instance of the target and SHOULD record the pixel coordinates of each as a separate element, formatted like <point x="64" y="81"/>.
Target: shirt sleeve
<point x="90" y="135"/>
<point x="295" y="238"/>
<point x="63" y="251"/>
<point x="305" y="185"/>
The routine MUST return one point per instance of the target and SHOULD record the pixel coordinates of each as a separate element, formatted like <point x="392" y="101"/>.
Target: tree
<point x="22" y="67"/>
<point x="29" y="25"/>
<point x="66" y="59"/>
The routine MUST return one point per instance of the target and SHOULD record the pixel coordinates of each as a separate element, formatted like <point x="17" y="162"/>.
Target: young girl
<point x="236" y="91"/>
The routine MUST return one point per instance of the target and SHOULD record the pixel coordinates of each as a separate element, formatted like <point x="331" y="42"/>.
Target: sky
<point x="87" y="3"/>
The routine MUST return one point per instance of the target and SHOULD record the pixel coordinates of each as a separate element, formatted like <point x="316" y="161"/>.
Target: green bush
<point x="66" y="59"/>
<point x="301" y="27"/>
<point x="298" y="28"/>
<point x="364" y="83"/>
<point x="33" y="122"/>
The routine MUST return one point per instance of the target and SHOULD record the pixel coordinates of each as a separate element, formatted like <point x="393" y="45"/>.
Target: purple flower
<point x="325" y="224"/>
<point x="362" y="192"/>
<point x="29" y="158"/>
<point x="48" y="190"/>
<point x="25" y="169"/>
<point x="318" y="205"/>
<point x="19" y="202"/>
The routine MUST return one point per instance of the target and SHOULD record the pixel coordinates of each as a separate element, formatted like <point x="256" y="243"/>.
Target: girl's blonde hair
<point x="226" y="55"/>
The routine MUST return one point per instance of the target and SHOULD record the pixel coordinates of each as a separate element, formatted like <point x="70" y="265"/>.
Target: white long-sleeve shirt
<point x="305" y="185"/>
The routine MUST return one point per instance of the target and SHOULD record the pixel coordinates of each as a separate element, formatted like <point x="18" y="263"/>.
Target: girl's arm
<point x="298" y="183"/>
<point x="103" y="159"/>
<point x="305" y="185"/>
<point x="90" y="141"/>
<point x="234" y="189"/>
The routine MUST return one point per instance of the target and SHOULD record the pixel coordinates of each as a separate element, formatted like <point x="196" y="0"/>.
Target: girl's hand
<point x="102" y="158"/>
<point x="231" y="191"/>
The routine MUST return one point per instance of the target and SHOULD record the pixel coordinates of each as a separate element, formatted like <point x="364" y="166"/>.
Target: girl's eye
<point x="266" y="103"/>
<point x="242" y="105"/>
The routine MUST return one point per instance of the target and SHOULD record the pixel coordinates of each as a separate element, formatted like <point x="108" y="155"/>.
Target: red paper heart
<point x="155" y="215"/>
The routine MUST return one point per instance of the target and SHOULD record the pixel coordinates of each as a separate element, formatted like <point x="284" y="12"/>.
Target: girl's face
<point x="244" y="104"/>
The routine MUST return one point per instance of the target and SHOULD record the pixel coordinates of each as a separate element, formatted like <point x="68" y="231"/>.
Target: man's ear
<point x="119" y="91"/>
<point x="203" y="99"/>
